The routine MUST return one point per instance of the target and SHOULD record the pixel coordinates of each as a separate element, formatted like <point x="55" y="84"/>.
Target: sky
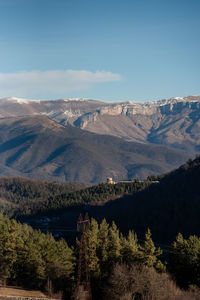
<point x="113" y="50"/>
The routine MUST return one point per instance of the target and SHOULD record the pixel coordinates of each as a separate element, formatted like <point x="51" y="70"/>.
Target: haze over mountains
<point x="86" y="140"/>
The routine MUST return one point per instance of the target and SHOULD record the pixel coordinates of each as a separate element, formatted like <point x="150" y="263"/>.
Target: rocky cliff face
<point x="163" y="107"/>
<point x="173" y="122"/>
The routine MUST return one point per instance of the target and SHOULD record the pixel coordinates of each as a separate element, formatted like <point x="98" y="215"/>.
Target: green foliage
<point x="102" y="250"/>
<point x="92" y="237"/>
<point x="129" y="248"/>
<point x="114" y="244"/>
<point x="26" y="196"/>
<point x="29" y="257"/>
<point x="184" y="261"/>
<point x="32" y="259"/>
<point x="149" y="254"/>
<point x="106" y="247"/>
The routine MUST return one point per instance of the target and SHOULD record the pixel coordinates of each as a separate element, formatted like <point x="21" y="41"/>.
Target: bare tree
<point x="143" y="283"/>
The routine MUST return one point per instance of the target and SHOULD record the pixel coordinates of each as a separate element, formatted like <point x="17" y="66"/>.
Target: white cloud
<point x="35" y="83"/>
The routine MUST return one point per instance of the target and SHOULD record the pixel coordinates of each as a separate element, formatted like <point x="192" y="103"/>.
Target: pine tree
<point x="30" y="265"/>
<point x="149" y="254"/>
<point x="129" y="248"/>
<point x="114" y="244"/>
<point x="92" y="238"/>
<point x="102" y="250"/>
<point x="184" y="260"/>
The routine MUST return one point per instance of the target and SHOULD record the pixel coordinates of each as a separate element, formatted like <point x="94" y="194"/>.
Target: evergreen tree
<point x="102" y="251"/>
<point x="114" y="244"/>
<point x="30" y="265"/>
<point x="129" y="248"/>
<point x="30" y="258"/>
<point x="184" y="260"/>
<point x="149" y="254"/>
<point x="92" y="238"/>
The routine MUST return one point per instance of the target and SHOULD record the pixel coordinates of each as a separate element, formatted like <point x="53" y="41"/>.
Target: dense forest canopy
<point x="19" y="196"/>
<point x="120" y="266"/>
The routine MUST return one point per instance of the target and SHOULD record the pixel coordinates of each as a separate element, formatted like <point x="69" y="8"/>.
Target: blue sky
<point x="112" y="50"/>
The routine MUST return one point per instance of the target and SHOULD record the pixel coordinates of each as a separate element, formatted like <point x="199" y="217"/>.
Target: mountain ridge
<point x="171" y="122"/>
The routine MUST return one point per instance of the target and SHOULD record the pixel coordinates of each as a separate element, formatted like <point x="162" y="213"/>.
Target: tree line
<point x="21" y="196"/>
<point x="121" y="267"/>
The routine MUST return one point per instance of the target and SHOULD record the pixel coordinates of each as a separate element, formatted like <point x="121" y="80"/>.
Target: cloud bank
<point x="55" y="83"/>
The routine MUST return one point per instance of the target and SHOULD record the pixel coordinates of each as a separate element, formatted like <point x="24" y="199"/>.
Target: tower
<point x="83" y="288"/>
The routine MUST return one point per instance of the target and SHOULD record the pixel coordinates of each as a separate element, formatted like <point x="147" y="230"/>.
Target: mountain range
<point x="172" y="122"/>
<point x="85" y="140"/>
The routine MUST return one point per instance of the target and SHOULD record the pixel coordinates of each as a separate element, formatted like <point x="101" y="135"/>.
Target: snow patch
<point x="71" y="114"/>
<point x="21" y="100"/>
<point x="178" y="98"/>
<point x="75" y="99"/>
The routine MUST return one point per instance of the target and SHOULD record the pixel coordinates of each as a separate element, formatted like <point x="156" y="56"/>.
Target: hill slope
<point x="22" y="196"/>
<point x="167" y="208"/>
<point x="39" y="147"/>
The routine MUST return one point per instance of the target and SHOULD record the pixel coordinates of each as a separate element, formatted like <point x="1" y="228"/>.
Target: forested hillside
<point x="168" y="207"/>
<point x="168" y="204"/>
<point x="17" y="193"/>
<point x="26" y="197"/>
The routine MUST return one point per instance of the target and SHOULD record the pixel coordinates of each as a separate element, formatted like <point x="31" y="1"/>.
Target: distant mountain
<point x="38" y="147"/>
<point x="64" y="111"/>
<point x="172" y="122"/>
